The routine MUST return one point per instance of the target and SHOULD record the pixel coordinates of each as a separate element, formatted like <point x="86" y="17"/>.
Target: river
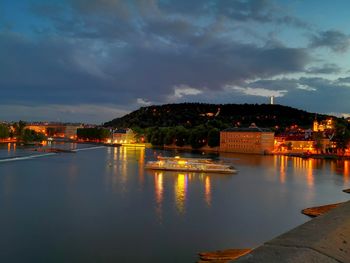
<point x="101" y="205"/>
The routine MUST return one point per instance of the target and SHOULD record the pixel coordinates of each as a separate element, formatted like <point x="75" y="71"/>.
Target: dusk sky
<point x="94" y="60"/>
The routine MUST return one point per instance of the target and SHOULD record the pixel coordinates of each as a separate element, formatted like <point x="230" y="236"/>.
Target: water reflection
<point x="159" y="191"/>
<point x="346" y="171"/>
<point x="301" y="166"/>
<point x="119" y="165"/>
<point x="180" y="188"/>
<point x="11" y="148"/>
<point x="105" y="202"/>
<point x="207" y="190"/>
<point x="141" y="159"/>
<point x="309" y="171"/>
<point x="285" y="165"/>
<point x="283" y="168"/>
<point x="181" y="183"/>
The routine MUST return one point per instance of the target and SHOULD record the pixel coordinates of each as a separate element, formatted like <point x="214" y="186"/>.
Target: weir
<point x="27" y="157"/>
<point x="20" y="158"/>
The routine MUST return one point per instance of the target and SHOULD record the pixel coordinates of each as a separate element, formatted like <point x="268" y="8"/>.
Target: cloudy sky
<point x="93" y="60"/>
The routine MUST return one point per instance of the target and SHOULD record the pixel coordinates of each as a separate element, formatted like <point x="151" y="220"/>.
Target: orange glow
<point x="283" y="169"/>
<point x="141" y="165"/>
<point x="180" y="192"/>
<point x="9" y="147"/>
<point x="310" y="176"/>
<point x="207" y="185"/>
<point x="346" y="171"/>
<point x="158" y="184"/>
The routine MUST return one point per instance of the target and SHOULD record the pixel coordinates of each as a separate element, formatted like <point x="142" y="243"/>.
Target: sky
<point x="95" y="60"/>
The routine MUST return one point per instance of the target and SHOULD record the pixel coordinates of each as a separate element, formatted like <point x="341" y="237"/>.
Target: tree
<point x="157" y="137"/>
<point x="139" y="134"/>
<point x="169" y="136"/>
<point x="149" y="132"/>
<point x="214" y="137"/>
<point x="318" y="141"/>
<point x="4" y="131"/>
<point x="19" y="128"/>
<point x="341" y="137"/>
<point x="198" y="137"/>
<point x="93" y="133"/>
<point x="181" y="136"/>
<point x="31" y="136"/>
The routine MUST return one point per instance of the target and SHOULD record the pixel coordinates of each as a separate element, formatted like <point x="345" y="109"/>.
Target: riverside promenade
<point x="325" y="239"/>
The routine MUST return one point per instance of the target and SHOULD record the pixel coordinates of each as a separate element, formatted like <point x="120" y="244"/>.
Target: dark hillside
<point x="193" y="114"/>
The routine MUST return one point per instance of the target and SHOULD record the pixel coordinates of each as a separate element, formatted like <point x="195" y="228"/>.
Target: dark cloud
<point x="127" y="53"/>
<point x="312" y="94"/>
<point x="333" y="39"/>
<point x="343" y="80"/>
<point x="328" y="68"/>
<point x="110" y="19"/>
<point x="261" y="11"/>
<point x="115" y="58"/>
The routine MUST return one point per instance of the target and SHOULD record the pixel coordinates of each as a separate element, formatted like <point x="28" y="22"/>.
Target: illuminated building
<point x="247" y="140"/>
<point x="300" y="146"/>
<point x="323" y="125"/>
<point x="67" y="131"/>
<point x="123" y="136"/>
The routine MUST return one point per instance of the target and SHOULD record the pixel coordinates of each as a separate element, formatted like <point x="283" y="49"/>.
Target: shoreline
<point x="206" y="149"/>
<point x="217" y="150"/>
<point x="325" y="238"/>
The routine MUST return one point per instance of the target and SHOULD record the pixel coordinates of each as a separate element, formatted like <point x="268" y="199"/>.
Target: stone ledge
<point x="323" y="239"/>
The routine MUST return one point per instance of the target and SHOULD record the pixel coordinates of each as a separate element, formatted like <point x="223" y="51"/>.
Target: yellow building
<point x="123" y="136"/>
<point x="300" y="146"/>
<point x="247" y="140"/>
<point x="323" y="125"/>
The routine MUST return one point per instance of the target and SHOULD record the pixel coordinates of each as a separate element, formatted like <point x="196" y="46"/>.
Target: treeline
<point x="196" y="137"/>
<point x="342" y="135"/>
<point x="191" y="115"/>
<point x="19" y="132"/>
<point x="4" y="131"/>
<point x="97" y="133"/>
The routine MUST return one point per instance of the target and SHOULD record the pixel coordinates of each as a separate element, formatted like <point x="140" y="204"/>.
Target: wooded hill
<point x="220" y="116"/>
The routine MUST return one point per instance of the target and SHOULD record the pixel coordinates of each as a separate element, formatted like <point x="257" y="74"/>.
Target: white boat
<point x="189" y="165"/>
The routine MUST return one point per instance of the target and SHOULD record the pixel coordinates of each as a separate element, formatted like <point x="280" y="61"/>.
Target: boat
<point x="182" y="164"/>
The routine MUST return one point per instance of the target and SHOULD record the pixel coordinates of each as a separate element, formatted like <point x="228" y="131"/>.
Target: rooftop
<point x="250" y="129"/>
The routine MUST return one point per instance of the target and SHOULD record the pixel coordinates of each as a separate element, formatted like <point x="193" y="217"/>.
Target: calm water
<point x="100" y="205"/>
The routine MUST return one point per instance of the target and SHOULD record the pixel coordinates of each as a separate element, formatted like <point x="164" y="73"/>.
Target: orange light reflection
<point x="158" y="184"/>
<point x="180" y="192"/>
<point x="207" y="185"/>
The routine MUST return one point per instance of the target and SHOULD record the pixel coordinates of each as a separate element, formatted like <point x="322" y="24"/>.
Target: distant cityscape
<point x="320" y="138"/>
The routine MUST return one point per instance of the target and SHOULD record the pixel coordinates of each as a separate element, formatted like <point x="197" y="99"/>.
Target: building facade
<point x="247" y="140"/>
<point x="123" y="136"/>
<point x="60" y="130"/>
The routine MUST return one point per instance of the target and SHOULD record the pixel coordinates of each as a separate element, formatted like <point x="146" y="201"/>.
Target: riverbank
<point x="316" y="156"/>
<point x="217" y="150"/>
<point x="323" y="239"/>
